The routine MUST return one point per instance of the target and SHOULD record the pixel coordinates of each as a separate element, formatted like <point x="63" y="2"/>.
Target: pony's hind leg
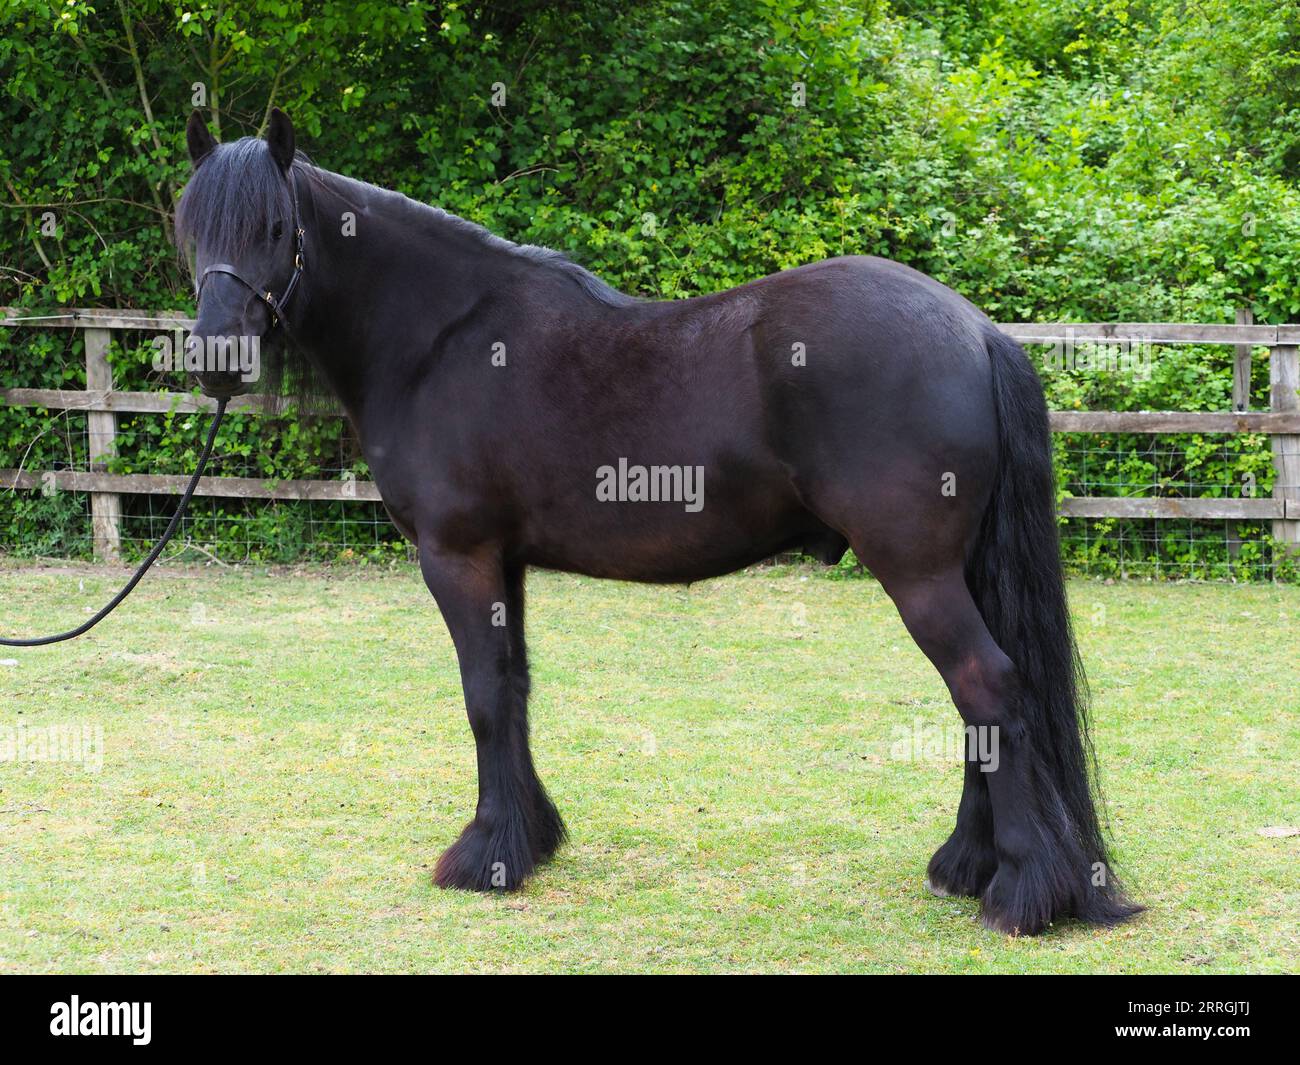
<point x="515" y="826"/>
<point x="966" y="862"/>
<point x="1041" y="871"/>
<point x="942" y="618"/>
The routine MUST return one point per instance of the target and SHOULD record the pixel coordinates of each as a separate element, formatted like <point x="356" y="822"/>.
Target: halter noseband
<point x="276" y="306"/>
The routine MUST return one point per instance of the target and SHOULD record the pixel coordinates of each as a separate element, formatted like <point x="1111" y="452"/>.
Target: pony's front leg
<point x="514" y="825"/>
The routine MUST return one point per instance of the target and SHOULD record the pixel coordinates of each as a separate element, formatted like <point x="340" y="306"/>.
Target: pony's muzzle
<point x="224" y="365"/>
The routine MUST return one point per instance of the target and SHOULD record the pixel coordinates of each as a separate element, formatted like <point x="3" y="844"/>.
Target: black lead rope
<point x="170" y="531"/>
<point x="276" y="307"/>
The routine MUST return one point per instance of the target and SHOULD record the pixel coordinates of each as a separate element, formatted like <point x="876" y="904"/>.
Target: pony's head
<point x="237" y="222"/>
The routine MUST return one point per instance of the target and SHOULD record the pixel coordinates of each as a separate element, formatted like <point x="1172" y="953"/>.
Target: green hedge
<point x="1073" y="160"/>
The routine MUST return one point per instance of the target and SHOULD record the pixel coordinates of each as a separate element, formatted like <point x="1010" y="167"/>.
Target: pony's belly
<point x="677" y="549"/>
<point x="652" y="569"/>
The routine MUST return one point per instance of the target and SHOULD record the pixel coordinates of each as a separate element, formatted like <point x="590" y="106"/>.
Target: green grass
<point x="284" y="756"/>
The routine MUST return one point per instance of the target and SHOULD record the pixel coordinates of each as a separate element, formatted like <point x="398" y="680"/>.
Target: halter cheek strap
<point x="275" y="305"/>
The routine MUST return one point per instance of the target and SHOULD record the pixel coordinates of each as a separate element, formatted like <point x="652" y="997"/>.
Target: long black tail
<point x="1015" y="577"/>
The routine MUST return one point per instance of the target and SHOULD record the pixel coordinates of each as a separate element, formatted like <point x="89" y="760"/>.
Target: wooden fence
<point x="1282" y="421"/>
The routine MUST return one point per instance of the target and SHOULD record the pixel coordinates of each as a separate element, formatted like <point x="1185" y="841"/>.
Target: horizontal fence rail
<point x="102" y="403"/>
<point x="1063" y="421"/>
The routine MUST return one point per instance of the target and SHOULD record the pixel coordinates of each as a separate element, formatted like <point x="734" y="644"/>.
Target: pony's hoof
<point x="960" y="870"/>
<point x="548" y="830"/>
<point x="938" y="890"/>
<point x="1018" y="903"/>
<point x="1048" y="885"/>
<point x="1006" y="925"/>
<point x="484" y="860"/>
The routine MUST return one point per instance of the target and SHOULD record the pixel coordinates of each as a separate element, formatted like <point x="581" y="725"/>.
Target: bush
<point x="1070" y="160"/>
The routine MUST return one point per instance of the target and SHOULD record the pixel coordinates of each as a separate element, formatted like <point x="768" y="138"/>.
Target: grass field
<point x="284" y="756"/>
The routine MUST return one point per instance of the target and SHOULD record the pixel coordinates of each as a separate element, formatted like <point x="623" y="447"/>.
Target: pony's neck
<point x="370" y="255"/>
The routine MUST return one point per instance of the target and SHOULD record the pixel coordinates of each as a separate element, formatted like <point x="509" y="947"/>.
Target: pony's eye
<point x="277" y="230"/>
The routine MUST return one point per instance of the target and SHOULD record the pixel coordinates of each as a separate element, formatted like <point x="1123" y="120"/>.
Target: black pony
<point x="515" y="411"/>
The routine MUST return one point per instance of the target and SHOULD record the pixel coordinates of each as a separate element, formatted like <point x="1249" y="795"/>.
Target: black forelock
<point x="236" y="191"/>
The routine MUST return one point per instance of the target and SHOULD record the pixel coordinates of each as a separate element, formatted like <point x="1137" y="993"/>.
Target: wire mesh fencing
<point x="46" y="521"/>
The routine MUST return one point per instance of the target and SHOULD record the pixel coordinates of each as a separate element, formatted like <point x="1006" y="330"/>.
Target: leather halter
<point x="276" y="306"/>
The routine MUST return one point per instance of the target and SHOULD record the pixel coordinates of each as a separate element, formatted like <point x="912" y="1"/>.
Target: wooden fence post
<point x="105" y="507"/>
<point x="1284" y="386"/>
<point x="1241" y="365"/>
<point x="1240" y="403"/>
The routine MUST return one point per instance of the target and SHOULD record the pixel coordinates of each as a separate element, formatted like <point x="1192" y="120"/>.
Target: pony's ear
<point x="279" y="138"/>
<point x="197" y="138"/>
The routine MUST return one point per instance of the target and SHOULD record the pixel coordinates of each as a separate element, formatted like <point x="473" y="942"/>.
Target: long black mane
<point x="588" y="282"/>
<point x="238" y="190"/>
